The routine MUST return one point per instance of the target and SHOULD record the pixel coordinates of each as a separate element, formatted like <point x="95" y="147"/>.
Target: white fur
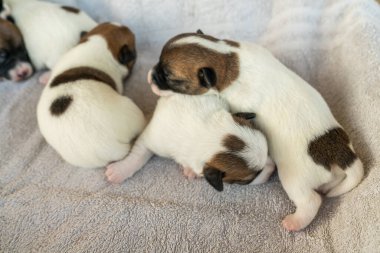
<point x="48" y="30"/>
<point x="291" y="113"/>
<point x="99" y="125"/>
<point x="190" y="130"/>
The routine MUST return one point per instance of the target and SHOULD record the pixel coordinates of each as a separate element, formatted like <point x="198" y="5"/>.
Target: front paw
<point x="189" y="173"/>
<point x="292" y="223"/>
<point x="117" y="172"/>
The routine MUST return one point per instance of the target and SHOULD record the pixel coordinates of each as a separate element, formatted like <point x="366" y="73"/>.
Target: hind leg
<point x="307" y="203"/>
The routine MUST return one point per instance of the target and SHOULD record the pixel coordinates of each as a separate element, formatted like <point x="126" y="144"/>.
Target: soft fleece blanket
<point x="47" y="205"/>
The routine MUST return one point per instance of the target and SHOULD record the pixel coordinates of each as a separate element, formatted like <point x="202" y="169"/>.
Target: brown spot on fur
<point x="83" y="73"/>
<point x="233" y="143"/>
<point x="235" y="168"/>
<point x="70" y="9"/>
<point x="60" y="105"/>
<point x="10" y="35"/>
<point x="117" y="37"/>
<point x="332" y="148"/>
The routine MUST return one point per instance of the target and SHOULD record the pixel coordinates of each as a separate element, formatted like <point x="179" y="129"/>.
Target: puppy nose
<point x="22" y="74"/>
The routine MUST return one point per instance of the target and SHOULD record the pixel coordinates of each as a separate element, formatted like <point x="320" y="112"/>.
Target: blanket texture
<point x="47" y="205"/>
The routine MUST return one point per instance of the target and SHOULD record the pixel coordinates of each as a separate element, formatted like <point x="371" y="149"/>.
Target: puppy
<point x="312" y="152"/>
<point x="49" y="29"/>
<point x="200" y="134"/>
<point x="81" y="112"/>
<point x="15" y="64"/>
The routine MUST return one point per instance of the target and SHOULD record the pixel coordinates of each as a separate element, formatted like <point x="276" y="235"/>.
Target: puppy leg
<point x="44" y="78"/>
<point x="307" y="203"/>
<point x="265" y="174"/>
<point x="117" y="172"/>
<point x="189" y="173"/>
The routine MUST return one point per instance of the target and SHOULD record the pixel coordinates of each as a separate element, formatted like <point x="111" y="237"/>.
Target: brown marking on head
<point x="120" y="41"/>
<point x="83" y="73"/>
<point x="10" y="36"/>
<point x="194" y="69"/>
<point x="332" y="148"/>
<point x="241" y="121"/>
<point x="229" y="166"/>
<point x="233" y="143"/>
<point x="71" y="9"/>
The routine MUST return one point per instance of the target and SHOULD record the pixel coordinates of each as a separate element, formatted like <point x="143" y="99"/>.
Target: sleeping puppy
<point x="312" y="152"/>
<point x="49" y="29"/>
<point x="81" y="112"/>
<point x="14" y="60"/>
<point x="201" y="135"/>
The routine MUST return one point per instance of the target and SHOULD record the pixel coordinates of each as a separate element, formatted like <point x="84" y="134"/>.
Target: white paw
<point x="189" y="173"/>
<point x="44" y="78"/>
<point x="117" y="172"/>
<point x="292" y="223"/>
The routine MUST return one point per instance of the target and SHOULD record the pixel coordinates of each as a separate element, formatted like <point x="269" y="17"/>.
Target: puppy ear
<point x="207" y="77"/>
<point x="214" y="177"/>
<point x="126" y="55"/>
<point x="199" y="31"/>
<point x="82" y="34"/>
<point x="245" y="115"/>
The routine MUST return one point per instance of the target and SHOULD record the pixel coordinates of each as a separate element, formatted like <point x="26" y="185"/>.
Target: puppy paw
<point x="189" y="173"/>
<point x="292" y="223"/>
<point x="116" y="173"/>
<point x="44" y="78"/>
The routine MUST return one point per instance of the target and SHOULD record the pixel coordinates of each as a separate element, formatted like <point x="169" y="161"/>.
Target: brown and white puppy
<point x="15" y="64"/>
<point x="312" y="152"/>
<point x="81" y="112"/>
<point x="204" y="138"/>
<point x="49" y="30"/>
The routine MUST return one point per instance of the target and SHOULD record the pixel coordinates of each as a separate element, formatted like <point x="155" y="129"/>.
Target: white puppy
<point x="49" y="29"/>
<point x="81" y="112"/>
<point x="311" y="150"/>
<point x="200" y="134"/>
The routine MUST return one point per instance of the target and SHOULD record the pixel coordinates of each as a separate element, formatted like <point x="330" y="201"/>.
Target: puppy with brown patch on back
<point x="49" y="30"/>
<point x="312" y="152"/>
<point x="15" y="64"/>
<point x="81" y="112"/>
<point x="204" y="138"/>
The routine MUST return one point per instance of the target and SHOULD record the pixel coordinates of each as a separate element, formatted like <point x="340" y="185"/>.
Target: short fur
<point x="199" y="133"/>
<point x="299" y="125"/>
<point x="15" y="64"/>
<point x="49" y="29"/>
<point x="83" y="117"/>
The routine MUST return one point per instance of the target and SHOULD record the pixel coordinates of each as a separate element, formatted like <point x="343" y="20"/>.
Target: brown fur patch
<point x="60" y="105"/>
<point x="10" y="36"/>
<point x="70" y="9"/>
<point x="83" y="73"/>
<point x="332" y="148"/>
<point x="233" y="143"/>
<point x="184" y="62"/>
<point x="116" y="37"/>
<point x="235" y="168"/>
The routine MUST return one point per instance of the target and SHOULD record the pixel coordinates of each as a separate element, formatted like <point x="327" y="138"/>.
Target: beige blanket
<point x="47" y="205"/>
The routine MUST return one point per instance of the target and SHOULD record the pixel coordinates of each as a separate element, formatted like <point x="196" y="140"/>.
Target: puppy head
<point x="14" y="60"/>
<point x="194" y="63"/>
<point x="120" y="40"/>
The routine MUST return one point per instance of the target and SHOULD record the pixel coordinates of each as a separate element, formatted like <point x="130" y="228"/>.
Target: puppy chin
<point x="21" y="71"/>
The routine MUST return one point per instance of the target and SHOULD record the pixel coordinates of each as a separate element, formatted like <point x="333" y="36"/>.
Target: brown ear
<point x="214" y="177"/>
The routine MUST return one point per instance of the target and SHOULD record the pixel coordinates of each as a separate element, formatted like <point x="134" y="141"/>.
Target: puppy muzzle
<point x="154" y="86"/>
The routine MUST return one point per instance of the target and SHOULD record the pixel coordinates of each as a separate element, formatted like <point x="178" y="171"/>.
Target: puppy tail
<point x="354" y="175"/>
